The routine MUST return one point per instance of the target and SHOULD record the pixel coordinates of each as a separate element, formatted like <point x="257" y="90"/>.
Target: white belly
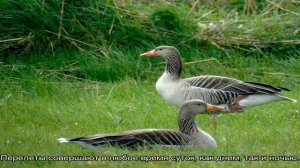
<point x="203" y="140"/>
<point x="259" y="99"/>
<point x="170" y="89"/>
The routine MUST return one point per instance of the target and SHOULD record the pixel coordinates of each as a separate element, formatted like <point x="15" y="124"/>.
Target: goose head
<point x="195" y="107"/>
<point x="187" y="124"/>
<point x="165" y="52"/>
<point x="171" y="56"/>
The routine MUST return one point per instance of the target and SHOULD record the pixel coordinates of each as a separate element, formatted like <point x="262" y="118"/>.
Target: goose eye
<point x="160" y="49"/>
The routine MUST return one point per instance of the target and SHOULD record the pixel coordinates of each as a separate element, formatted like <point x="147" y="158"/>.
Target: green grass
<point x="40" y="105"/>
<point x="103" y="25"/>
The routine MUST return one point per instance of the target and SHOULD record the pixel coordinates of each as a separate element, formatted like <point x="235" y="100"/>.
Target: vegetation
<point x="71" y="68"/>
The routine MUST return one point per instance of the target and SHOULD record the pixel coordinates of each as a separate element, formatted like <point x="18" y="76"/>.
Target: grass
<point x="40" y="105"/>
<point x="103" y="25"/>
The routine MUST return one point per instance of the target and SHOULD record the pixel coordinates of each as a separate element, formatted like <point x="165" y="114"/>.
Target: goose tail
<point x="63" y="140"/>
<point x="259" y="99"/>
<point x="288" y="99"/>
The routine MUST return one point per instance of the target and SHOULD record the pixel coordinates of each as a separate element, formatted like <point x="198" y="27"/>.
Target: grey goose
<point x="232" y="94"/>
<point x="188" y="135"/>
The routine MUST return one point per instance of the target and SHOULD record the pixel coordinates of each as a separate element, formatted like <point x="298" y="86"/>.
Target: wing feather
<point x="147" y="137"/>
<point x="233" y="85"/>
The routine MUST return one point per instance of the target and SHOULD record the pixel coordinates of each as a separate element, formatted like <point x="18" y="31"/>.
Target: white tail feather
<point x="259" y="99"/>
<point x="288" y="99"/>
<point x="66" y="140"/>
<point x="63" y="140"/>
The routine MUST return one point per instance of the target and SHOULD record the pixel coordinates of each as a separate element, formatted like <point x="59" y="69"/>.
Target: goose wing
<point x="233" y="85"/>
<point x="133" y="139"/>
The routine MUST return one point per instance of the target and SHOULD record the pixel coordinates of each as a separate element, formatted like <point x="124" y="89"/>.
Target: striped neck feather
<point x="173" y="65"/>
<point x="187" y="123"/>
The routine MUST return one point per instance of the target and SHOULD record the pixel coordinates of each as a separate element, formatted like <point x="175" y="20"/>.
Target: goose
<point x="232" y="94"/>
<point x="188" y="135"/>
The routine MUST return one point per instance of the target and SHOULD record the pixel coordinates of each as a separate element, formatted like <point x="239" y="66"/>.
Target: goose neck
<point x="174" y="66"/>
<point x="187" y="123"/>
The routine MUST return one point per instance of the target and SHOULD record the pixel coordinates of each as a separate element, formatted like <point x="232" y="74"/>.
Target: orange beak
<point x="211" y="107"/>
<point x="148" y="54"/>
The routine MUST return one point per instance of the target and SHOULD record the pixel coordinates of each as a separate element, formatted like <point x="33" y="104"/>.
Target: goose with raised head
<point x="232" y="94"/>
<point x="188" y="135"/>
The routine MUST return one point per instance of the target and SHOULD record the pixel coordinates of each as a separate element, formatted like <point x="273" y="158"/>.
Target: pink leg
<point x="235" y="106"/>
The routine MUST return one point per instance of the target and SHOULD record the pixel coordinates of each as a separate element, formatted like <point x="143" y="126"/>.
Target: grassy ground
<point x="38" y="106"/>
